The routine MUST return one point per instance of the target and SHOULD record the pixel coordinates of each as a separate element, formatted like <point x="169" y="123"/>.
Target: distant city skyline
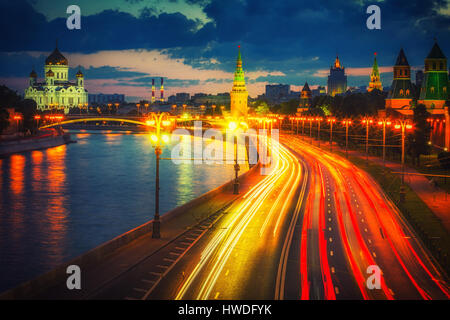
<point x="123" y="44"/>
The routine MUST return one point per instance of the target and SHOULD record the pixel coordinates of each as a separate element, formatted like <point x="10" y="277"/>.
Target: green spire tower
<point x="434" y="91"/>
<point x="239" y="93"/>
<point x="375" y="82"/>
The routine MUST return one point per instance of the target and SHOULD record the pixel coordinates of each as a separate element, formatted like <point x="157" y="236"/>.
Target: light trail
<point x="379" y="214"/>
<point x="251" y="204"/>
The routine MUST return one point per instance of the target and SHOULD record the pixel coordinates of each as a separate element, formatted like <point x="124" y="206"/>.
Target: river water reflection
<point x="60" y="202"/>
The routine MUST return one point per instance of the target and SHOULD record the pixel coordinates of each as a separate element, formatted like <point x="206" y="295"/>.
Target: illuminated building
<point x="239" y="93"/>
<point x="434" y="91"/>
<point x="305" y="97"/>
<point x="402" y="93"/>
<point x="337" y="80"/>
<point x="375" y="82"/>
<point x="57" y="92"/>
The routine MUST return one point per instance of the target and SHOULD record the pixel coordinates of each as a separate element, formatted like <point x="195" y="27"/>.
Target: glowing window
<point x="401" y="92"/>
<point x="432" y="89"/>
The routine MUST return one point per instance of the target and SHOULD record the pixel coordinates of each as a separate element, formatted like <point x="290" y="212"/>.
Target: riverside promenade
<point x="123" y="254"/>
<point x="44" y="140"/>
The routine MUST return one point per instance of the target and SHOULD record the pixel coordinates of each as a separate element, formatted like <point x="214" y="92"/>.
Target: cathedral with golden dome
<point x="56" y="92"/>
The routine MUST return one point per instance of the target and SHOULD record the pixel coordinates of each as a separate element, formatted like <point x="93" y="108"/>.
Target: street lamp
<point x="384" y="122"/>
<point x="403" y="125"/>
<point x="331" y="121"/>
<point x="37" y="118"/>
<point x="318" y="129"/>
<point x="109" y="107"/>
<point x="17" y="118"/>
<point x="310" y="128"/>
<point x="367" y="121"/>
<point x="233" y="126"/>
<point x="138" y="105"/>
<point x="213" y="109"/>
<point x="157" y="120"/>
<point x="346" y="123"/>
<point x="117" y="106"/>
<point x="146" y="107"/>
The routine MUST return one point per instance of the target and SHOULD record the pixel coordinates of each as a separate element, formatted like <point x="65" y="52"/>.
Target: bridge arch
<point x="124" y="120"/>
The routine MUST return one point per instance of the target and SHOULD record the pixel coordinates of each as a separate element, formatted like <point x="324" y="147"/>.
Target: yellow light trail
<point x="253" y="201"/>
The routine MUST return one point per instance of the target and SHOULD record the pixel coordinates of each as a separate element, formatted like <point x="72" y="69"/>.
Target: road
<point x="309" y="230"/>
<point x="349" y="225"/>
<point x="233" y="255"/>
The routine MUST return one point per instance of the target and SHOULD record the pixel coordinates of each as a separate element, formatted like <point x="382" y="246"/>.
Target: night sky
<point x="123" y="44"/>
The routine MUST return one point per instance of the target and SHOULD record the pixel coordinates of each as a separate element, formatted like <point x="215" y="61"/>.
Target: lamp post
<point x="331" y="121"/>
<point x="310" y="129"/>
<point x="117" y="106"/>
<point x="303" y="126"/>
<point x="346" y="123"/>
<point x="146" y="107"/>
<point x="109" y="107"/>
<point x="157" y="120"/>
<point x="37" y="118"/>
<point x="213" y="109"/>
<point x="86" y="106"/>
<point x="138" y="106"/>
<point x="384" y="122"/>
<point x="318" y="129"/>
<point x="233" y="126"/>
<point x="17" y="118"/>
<point x="367" y="121"/>
<point x="403" y="125"/>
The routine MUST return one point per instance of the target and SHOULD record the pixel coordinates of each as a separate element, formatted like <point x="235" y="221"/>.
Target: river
<point x="58" y="203"/>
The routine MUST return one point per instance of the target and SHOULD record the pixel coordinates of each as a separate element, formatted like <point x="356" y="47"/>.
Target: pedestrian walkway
<point x="437" y="199"/>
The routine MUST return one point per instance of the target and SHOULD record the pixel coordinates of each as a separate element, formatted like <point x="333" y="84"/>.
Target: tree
<point x="28" y="110"/>
<point x="289" y="107"/>
<point x="4" y="119"/>
<point x="418" y="140"/>
<point x="262" y="108"/>
<point x="444" y="159"/>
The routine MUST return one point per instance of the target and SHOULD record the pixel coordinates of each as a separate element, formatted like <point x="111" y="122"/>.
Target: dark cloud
<point x="296" y="37"/>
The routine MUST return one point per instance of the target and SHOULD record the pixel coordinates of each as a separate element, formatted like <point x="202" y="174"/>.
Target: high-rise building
<point x="434" y="91"/>
<point x="375" y="82"/>
<point x="276" y="92"/>
<point x="239" y="93"/>
<point x="337" y="80"/>
<point x="402" y="92"/>
<point x="305" y="97"/>
<point x="57" y="92"/>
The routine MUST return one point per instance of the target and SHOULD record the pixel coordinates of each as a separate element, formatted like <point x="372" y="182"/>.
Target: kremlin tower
<point x="434" y="91"/>
<point x="402" y="91"/>
<point x="375" y="82"/>
<point x="306" y="96"/>
<point x="239" y="93"/>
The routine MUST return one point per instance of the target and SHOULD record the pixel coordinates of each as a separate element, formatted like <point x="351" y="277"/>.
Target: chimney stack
<point x="153" y="90"/>
<point x="162" y="90"/>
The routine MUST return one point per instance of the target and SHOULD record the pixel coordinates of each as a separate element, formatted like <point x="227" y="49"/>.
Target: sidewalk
<point x="434" y="197"/>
